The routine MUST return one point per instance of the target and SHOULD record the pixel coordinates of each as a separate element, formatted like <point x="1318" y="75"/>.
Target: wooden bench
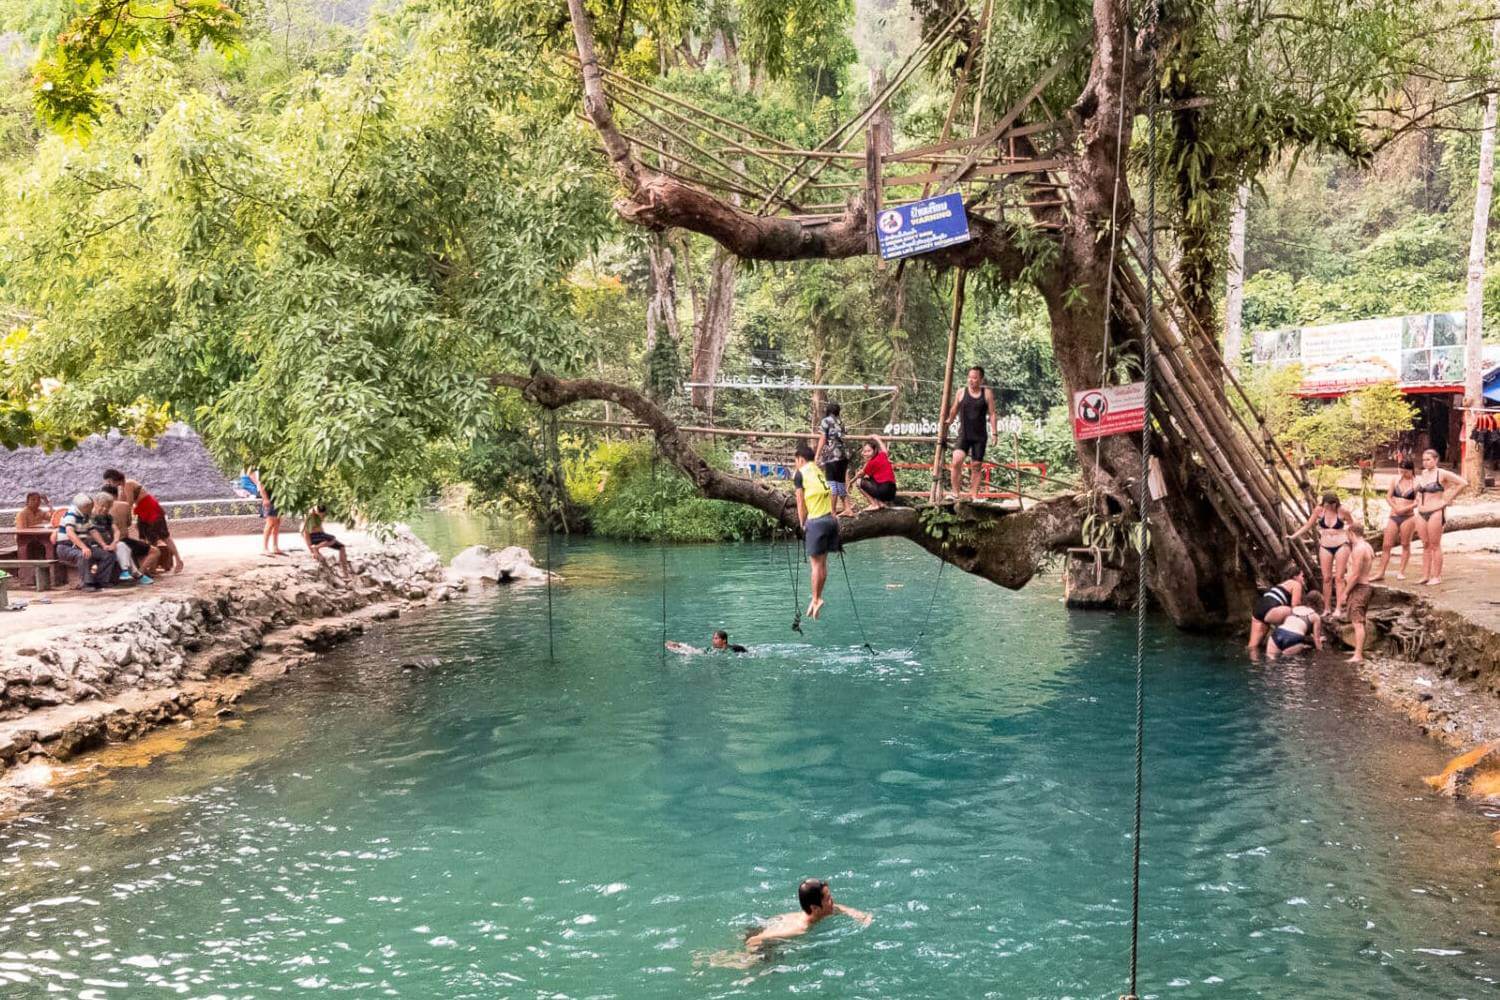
<point x="43" y="570"/>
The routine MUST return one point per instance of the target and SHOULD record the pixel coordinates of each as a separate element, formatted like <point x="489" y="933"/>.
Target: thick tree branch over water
<point x="1004" y="547"/>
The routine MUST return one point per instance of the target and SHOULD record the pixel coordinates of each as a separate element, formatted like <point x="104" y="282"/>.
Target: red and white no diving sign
<point x="1113" y="409"/>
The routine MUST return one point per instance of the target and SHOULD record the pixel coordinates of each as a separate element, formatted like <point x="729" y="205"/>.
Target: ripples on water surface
<point x="593" y="827"/>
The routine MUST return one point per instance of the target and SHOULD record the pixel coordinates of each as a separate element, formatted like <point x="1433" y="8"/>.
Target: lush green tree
<point x="320" y="284"/>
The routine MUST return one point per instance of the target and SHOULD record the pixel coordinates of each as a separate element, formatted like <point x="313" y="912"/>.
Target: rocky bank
<point x="185" y="660"/>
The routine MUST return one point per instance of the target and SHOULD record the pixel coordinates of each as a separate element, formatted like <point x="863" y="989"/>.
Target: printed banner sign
<point x="931" y="224"/>
<point x="1114" y="409"/>
<point x="1422" y="350"/>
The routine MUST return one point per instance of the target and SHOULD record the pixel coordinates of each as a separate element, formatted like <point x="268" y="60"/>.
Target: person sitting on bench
<point x="35" y="516"/>
<point x="96" y="568"/>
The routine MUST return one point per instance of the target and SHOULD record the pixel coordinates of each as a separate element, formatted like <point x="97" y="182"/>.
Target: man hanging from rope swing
<point x="974" y="402"/>
<point x="820" y="528"/>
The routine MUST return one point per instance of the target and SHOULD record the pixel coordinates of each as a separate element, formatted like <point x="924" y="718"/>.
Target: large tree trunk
<point x="712" y="324"/>
<point x="1234" y="298"/>
<point x="1473" y="464"/>
<point x="1188" y="569"/>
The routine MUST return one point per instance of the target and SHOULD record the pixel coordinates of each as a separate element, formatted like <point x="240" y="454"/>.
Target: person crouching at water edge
<point x="1299" y="631"/>
<point x="820" y="528"/>
<point x="1274" y="604"/>
<point x="316" y="539"/>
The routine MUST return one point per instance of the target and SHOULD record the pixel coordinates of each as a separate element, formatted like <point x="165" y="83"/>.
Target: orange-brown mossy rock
<point x="1474" y="774"/>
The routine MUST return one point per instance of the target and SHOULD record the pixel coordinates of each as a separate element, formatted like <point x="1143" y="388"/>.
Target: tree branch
<point x="1002" y="546"/>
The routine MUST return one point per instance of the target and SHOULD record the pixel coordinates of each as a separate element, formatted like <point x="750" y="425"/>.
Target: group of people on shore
<point x="116" y="535"/>
<point x="1288" y="619"/>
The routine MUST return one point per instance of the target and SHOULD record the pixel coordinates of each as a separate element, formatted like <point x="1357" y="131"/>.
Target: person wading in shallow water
<point x="1302" y="630"/>
<point x="1357" y="588"/>
<point x="1273" y="605"/>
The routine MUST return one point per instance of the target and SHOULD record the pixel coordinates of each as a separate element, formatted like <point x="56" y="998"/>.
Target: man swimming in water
<point x="816" y="900"/>
<point x="718" y="644"/>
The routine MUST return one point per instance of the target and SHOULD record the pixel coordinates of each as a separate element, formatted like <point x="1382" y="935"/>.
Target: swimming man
<point x="718" y="644"/>
<point x="816" y="900"/>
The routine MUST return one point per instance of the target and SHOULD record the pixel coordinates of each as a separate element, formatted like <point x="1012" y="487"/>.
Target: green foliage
<point x="320" y="285"/>
<point x="1350" y="428"/>
<point x="947" y="526"/>
<point x="630" y="494"/>
<point x="103" y="33"/>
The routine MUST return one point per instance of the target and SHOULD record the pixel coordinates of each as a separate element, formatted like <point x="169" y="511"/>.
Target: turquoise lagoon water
<point x="600" y="824"/>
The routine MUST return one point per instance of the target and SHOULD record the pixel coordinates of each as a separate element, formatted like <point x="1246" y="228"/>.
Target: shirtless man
<point x="816" y="900"/>
<point x="1357" y="586"/>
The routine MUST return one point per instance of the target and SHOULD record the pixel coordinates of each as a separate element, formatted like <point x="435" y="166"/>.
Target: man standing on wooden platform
<point x="973" y="403"/>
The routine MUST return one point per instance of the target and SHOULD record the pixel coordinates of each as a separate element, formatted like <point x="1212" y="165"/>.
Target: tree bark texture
<point x="712" y="324"/>
<point x="1473" y="462"/>
<point x="1187" y="571"/>
<point x="1003" y="546"/>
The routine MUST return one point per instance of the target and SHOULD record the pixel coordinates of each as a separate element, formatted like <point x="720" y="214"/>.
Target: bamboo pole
<point x="738" y="174"/>
<point x="733" y="143"/>
<point x="1212" y="349"/>
<point x="945" y="416"/>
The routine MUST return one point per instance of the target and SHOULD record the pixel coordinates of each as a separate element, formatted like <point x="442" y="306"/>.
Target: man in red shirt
<point x="878" y="480"/>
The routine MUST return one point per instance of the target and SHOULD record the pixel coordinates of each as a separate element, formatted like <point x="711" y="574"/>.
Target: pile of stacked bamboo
<point x="1254" y="486"/>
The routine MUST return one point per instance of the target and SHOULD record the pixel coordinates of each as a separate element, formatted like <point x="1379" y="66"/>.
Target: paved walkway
<point x="203" y="559"/>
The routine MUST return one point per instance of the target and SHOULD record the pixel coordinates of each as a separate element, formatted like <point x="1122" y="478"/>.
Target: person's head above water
<point x="721" y="639"/>
<point x="815" y="898"/>
<point x="804" y="455"/>
<point x="976" y="377"/>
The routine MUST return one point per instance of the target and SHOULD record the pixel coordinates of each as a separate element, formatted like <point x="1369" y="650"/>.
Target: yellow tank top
<point x="815" y="492"/>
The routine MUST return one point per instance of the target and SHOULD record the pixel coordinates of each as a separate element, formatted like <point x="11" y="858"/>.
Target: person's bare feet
<point x="816" y="609"/>
<point x="809" y="612"/>
<point x="1356" y="658"/>
<point x="1377" y="579"/>
<point x="1434" y="581"/>
<point x="1400" y="576"/>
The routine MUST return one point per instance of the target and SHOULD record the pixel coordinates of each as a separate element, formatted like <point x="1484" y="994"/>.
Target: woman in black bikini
<point x="1300" y="631"/>
<point x="1273" y="606"/>
<point x="1401" y="525"/>
<point x="1436" y="489"/>
<point x="1333" y="546"/>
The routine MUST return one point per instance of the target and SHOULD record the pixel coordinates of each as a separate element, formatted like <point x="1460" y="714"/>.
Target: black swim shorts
<point x="973" y="447"/>
<point x="823" y="535"/>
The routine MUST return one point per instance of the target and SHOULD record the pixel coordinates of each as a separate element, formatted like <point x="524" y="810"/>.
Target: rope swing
<point x="1143" y="497"/>
<point x="549" y="422"/>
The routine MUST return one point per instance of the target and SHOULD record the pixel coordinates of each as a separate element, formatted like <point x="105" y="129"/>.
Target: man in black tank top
<point x="975" y="408"/>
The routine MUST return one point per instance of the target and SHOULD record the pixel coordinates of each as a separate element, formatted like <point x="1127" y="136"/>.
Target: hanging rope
<point x="1143" y="497"/>
<point x="853" y="606"/>
<point x="932" y="599"/>
<point x="550" y="423"/>
<point x="662" y="545"/>
<point x="792" y="571"/>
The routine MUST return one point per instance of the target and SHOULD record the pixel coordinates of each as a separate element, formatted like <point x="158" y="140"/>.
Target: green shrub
<point x="627" y="495"/>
